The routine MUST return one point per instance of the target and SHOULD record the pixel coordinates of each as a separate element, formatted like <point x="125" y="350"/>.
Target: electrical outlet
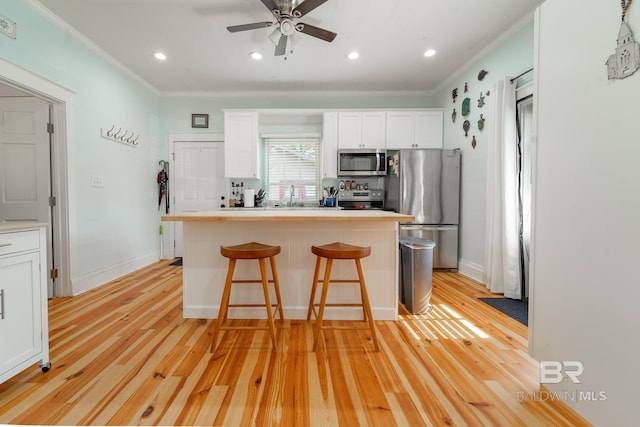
<point x="96" y="181"/>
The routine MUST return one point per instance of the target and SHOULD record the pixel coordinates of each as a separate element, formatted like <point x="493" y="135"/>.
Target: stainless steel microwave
<point x="362" y="162"/>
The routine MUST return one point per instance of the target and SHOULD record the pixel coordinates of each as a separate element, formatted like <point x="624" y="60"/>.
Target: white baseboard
<point x="98" y="278"/>
<point x="472" y="270"/>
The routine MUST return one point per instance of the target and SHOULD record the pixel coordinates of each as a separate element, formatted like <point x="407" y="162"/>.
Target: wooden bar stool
<point x="344" y="252"/>
<point x="250" y="251"/>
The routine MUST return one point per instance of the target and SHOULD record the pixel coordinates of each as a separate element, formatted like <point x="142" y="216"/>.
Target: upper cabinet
<point x="414" y="129"/>
<point x="329" y="145"/>
<point x="361" y="129"/>
<point x="241" y="144"/>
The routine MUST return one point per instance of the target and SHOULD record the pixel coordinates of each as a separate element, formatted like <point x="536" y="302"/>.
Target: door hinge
<point x="52" y="201"/>
<point x="53" y="273"/>
<point x="50" y="127"/>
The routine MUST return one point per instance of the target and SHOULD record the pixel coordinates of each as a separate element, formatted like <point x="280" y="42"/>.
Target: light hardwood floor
<point x="123" y="355"/>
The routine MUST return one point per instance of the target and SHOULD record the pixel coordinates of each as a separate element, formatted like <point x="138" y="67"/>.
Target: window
<point x="291" y="162"/>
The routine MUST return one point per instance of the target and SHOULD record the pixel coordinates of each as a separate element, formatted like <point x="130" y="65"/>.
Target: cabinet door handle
<point x="5" y="245"/>
<point x="1" y="304"/>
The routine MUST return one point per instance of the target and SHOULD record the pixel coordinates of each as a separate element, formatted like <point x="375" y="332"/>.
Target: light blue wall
<point x="509" y="58"/>
<point x="118" y="223"/>
<point x="176" y="111"/>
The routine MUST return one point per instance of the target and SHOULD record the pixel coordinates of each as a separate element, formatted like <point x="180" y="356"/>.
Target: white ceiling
<point x="390" y="35"/>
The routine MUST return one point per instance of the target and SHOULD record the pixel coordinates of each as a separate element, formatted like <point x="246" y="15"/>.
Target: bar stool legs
<point x="250" y="251"/>
<point x="344" y="252"/>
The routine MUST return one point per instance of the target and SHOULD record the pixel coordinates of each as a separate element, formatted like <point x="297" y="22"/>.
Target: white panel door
<point x="198" y="172"/>
<point x="25" y="165"/>
<point x="24" y="160"/>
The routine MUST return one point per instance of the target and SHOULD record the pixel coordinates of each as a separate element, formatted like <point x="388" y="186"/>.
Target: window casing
<point x="291" y="162"/>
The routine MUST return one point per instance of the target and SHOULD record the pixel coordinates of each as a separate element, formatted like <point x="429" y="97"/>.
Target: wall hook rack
<point x="121" y="136"/>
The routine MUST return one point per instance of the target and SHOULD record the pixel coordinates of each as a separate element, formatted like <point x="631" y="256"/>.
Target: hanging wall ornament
<point x="482" y="74"/>
<point x="481" y="123"/>
<point x="626" y="59"/>
<point x="473" y="142"/>
<point x="466" y="106"/>
<point x="454" y="94"/>
<point x="481" y="101"/>
<point x="466" y="87"/>
<point x="454" y="115"/>
<point x="465" y="126"/>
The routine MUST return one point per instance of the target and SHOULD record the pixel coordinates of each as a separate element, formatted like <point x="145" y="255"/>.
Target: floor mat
<point x="177" y="262"/>
<point x="514" y="308"/>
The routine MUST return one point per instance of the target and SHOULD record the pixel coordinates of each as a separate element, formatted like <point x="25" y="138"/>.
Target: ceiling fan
<point x="285" y="12"/>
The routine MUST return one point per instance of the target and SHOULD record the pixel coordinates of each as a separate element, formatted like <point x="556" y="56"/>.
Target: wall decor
<point x="466" y="106"/>
<point x="626" y="59"/>
<point x="454" y="94"/>
<point x="482" y="74"/>
<point x="454" y="115"/>
<point x="481" y="101"/>
<point x="199" y="120"/>
<point x="473" y="142"/>
<point x="465" y="126"/>
<point x="7" y="27"/>
<point x="466" y="87"/>
<point x="481" y="123"/>
<point x="488" y="93"/>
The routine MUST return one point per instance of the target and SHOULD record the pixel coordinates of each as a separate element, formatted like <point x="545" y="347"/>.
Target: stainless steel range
<point x="361" y="199"/>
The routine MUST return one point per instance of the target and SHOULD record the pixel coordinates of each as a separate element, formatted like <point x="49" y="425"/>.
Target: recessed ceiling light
<point x="255" y="55"/>
<point x="429" y="53"/>
<point x="160" y="56"/>
<point x="353" y="55"/>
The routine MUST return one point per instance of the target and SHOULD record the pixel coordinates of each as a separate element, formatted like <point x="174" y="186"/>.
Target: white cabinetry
<point x="23" y="302"/>
<point x="414" y="129"/>
<point x="241" y="144"/>
<point x="361" y="129"/>
<point x="330" y="145"/>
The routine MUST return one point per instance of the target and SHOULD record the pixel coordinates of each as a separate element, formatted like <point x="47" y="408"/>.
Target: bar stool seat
<point x="339" y="251"/>
<point x="250" y="251"/>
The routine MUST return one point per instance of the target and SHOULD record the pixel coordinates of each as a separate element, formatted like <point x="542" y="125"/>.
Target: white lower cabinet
<point x="24" y="333"/>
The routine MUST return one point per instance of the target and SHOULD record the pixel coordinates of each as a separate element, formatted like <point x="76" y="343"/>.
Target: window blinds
<point x="291" y="162"/>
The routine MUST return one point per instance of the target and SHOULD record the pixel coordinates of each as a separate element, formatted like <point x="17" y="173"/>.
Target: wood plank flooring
<point x="123" y="355"/>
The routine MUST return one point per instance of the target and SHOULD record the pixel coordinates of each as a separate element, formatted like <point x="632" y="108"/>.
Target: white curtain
<point x="502" y="257"/>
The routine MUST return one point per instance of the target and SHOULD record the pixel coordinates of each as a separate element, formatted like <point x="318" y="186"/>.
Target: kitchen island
<point x="295" y="231"/>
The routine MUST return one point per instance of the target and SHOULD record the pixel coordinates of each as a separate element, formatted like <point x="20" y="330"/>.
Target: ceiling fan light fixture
<point x="255" y="55"/>
<point x="353" y="55"/>
<point x="429" y="53"/>
<point x="160" y="56"/>
<point x="275" y="36"/>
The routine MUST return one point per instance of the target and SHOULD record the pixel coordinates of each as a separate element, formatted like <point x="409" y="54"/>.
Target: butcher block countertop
<point x="281" y="214"/>
<point x="20" y="225"/>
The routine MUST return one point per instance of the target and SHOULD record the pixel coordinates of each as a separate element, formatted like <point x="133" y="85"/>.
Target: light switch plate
<point x="96" y="181"/>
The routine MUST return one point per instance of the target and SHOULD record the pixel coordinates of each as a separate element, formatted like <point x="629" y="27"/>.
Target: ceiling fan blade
<point x="305" y="7"/>
<point x="245" y="27"/>
<point x="271" y="5"/>
<point x="281" y="48"/>
<point x="320" y="33"/>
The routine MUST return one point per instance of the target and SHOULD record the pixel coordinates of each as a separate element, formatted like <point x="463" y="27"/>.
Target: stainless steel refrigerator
<point x="426" y="184"/>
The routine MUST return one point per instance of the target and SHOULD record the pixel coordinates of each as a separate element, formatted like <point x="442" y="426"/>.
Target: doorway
<point x="18" y="82"/>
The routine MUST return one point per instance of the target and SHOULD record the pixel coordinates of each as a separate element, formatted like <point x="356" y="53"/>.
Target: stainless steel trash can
<point x="416" y="264"/>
